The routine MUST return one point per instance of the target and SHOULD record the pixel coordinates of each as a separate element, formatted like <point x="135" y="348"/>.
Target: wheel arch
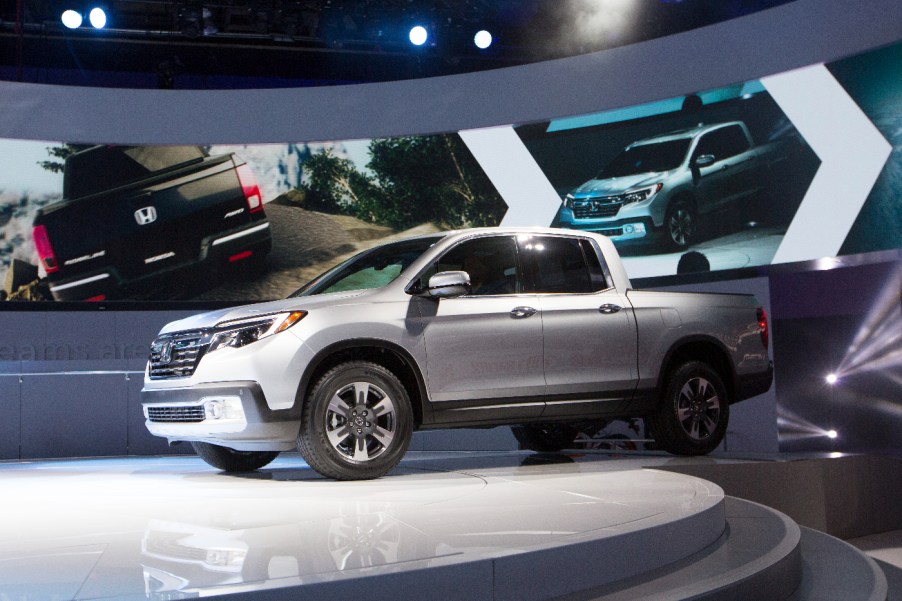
<point x="388" y="354"/>
<point x="708" y="349"/>
<point x="685" y="195"/>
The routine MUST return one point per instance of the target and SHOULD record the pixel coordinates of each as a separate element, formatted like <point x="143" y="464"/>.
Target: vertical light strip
<point x="515" y="174"/>
<point x="852" y="153"/>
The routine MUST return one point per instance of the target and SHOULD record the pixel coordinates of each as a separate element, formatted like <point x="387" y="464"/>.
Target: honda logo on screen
<point x="145" y="215"/>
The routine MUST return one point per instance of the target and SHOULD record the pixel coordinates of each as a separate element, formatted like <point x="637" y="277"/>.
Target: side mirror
<point x="703" y="160"/>
<point x="448" y="284"/>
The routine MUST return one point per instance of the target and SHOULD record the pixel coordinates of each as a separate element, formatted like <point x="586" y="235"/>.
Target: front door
<point x="484" y="349"/>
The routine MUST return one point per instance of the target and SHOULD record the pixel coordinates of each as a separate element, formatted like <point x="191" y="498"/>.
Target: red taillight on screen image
<point x="240" y="256"/>
<point x="762" y="326"/>
<point x="45" y="251"/>
<point x="250" y="188"/>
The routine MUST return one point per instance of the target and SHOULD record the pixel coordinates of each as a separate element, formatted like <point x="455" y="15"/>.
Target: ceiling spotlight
<point x="832" y="379"/>
<point x="832" y="434"/>
<point x="71" y="19"/>
<point x="97" y="17"/>
<point x="482" y="39"/>
<point x="418" y="35"/>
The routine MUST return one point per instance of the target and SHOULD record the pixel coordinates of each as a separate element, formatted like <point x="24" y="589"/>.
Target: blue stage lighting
<point x="97" y="17"/>
<point x="71" y="19"/>
<point x="418" y="35"/>
<point x="482" y="39"/>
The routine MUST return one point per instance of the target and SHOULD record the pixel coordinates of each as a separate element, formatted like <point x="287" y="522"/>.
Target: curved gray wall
<point x="794" y="35"/>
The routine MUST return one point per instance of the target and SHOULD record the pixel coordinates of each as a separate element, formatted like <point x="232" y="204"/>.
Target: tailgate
<point x="149" y="225"/>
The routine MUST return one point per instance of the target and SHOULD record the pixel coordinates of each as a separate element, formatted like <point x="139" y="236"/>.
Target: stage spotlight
<point x="831" y="434"/>
<point x="97" y="17"/>
<point x="71" y="19"/>
<point x="418" y="35"/>
<point x="482" y="39"/>
<point x="832" y="379"/>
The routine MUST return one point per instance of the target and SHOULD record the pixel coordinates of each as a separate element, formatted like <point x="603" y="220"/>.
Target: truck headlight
<point x="241" y="332"/>
<point x="640" y="194"/>
<point x="568" y="201"/>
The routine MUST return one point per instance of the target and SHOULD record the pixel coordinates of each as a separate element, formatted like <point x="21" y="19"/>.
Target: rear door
<point x="589" y="350"/>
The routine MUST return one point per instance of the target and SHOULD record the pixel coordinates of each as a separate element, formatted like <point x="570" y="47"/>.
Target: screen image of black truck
<point x="134" y="220"/>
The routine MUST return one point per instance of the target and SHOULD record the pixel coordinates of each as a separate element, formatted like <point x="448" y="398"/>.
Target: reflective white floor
<point x="168" y="528"/>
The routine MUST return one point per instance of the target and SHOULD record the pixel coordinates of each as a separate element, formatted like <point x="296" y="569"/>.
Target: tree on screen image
<point x="411" y="180"/>
<point x="59" y="154"/>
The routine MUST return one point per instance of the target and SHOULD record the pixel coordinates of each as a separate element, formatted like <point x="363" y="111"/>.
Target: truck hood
<point x="306" y="303"/>
<point x="617" y="185"/>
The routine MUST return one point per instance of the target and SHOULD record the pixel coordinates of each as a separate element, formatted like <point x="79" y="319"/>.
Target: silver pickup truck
<point x="660" y="187"/>
<point x="536" y="328"/>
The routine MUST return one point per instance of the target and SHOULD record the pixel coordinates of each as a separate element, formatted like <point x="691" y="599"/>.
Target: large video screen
<point x="221" y="223"/>
<point x="718" y="173"/>
<point x="743" y="176"/>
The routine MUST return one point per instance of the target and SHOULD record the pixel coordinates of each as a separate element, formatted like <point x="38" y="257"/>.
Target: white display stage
<point x="454" y="525"/>
<point x="442" y="526"/>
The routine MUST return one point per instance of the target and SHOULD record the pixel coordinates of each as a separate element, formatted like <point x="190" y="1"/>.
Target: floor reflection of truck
<point x="661" y="186"/>
<point x="132" y="216"/>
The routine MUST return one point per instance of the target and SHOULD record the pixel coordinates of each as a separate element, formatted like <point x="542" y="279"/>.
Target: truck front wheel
<point x="230" y="460"/>
<point x="693" y="414"/>
<point x="357" y="422"/>
<point x="680" y="224"/>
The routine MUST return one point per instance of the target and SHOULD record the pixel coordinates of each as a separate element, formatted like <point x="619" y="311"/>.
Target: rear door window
<point x="107" y="167"/>
<point x="560" y="265"/>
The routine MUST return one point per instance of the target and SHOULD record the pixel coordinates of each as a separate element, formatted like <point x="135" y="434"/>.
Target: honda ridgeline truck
<point x="658" y="188"/>
<point x="534" y="327"/>
<point x="132" y="216"/>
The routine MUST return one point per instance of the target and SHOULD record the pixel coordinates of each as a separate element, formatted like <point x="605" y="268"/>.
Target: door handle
<point x="522" y="312"/>
<point x="609" y="308"/>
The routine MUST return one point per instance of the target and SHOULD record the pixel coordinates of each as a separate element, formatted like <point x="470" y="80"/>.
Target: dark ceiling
<point x="284" y="43"/>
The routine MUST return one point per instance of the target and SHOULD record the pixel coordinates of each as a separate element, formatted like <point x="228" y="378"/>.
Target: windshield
<point x="647" y="158"/>
<point x="372" y="268"/>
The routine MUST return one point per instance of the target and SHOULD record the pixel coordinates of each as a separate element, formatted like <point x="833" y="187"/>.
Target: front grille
<point x="603" y="206"/>
<point x="176" y="355"/>
<point x="176" y="414"/>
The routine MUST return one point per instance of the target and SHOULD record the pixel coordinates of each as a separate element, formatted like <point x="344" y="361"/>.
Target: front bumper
<point x="231" y="414"/>
<point x="636" y="229"/>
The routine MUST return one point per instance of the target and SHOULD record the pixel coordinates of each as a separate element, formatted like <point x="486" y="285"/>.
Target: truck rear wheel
<point x="357" y="422"/>
<point x="693" y="415"/>
<point x="230" y="460"/>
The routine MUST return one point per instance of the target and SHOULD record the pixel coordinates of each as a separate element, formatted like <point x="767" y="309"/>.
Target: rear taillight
<point x="250" y="188"/>
<point x="240" y="256"/>
<point x="45" y="251"/>
<point x="762" y="326"/>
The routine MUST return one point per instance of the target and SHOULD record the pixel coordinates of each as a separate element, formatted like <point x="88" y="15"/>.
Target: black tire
<point x="680" y="225"/>
<point x="230" y="460"/>
<point x="339" y="438"/>
<point x="545" y="438"/>
<point x="693" y="414"/>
